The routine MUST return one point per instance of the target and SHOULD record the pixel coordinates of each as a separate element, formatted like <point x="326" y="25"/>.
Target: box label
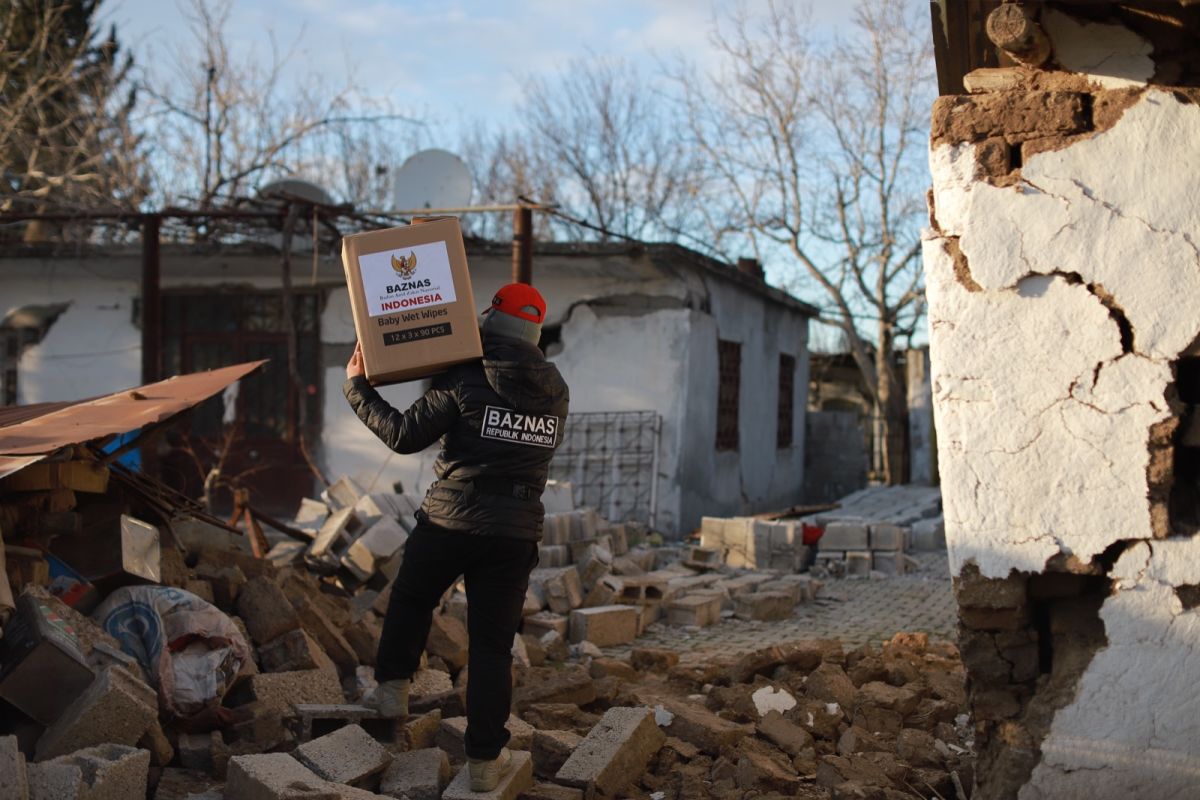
<point x="409" y="278"/>
<point x="417" y="334"/>
<point x="506" y="425"/>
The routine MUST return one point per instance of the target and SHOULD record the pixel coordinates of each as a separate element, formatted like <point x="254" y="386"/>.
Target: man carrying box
<point x="499" y="421"/>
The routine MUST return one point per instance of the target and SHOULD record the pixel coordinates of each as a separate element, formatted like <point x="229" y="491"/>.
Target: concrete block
<point x="310" y="516"/>
<point x="417" y="775"/>
<point x="381" y="541"/>
<point x="563" y="590"/>
<point x="117" y="708"/>
<point x="928" y="534"/>
<point x="448" y="641"/>
<point x="619" y="534"/>
<point x="845" y="536"/>
<point x="265" y="609"/>
<point x="554" y="555"/>
<point x="644" y="590"/>
<point x="283" y="690"/>
<point x="858" y="562"/>
<point x="420" y="733"/>
<point x="604" y="626"/>
<point x="13" y="781"/>
<point x="764" y="605"/>
<point x="518" y="779"/>
<point x="348" y="755"/>
<point x="103" y="772"/>
<point x="615" y="752"/>
<point x="319" y="626"/>
<point x="795" y="590"/>
<point x="889" y="562"/>
<point x="886" y="536"/>
<point x="294" y="650"/>
<point x="703" y="558"/>
<point x="698" y="610"/>
<point x="556" y="529"/>
<point x="551" y="749"/>
<point x="593" y="564"/>
<point x="344" y="493"/>
<point x="742" y="584"/>
<point x="274" y="776"/>
<point x="543" y="622"/>
<point x="698" y="726"/>
<point x="226" y="583"/>
<point x="186" y="784"/>
<point x="336" y="530"/>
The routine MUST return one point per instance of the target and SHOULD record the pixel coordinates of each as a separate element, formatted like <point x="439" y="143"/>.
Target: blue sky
<point x="450" y="61"/>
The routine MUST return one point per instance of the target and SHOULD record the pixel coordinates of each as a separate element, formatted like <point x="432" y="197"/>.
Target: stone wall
<point x="1063" y="270"/>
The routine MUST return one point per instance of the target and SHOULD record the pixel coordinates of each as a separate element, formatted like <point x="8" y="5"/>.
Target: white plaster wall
<point x="1131" y="731"/>
<point x="1043" y="417"/>
<point x="634" y="363"/>
<point x="1043" y="420"/>
<point x="93" y="348"/>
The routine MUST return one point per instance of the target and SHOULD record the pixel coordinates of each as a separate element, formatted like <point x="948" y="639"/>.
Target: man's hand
<point x="354" y="367"/>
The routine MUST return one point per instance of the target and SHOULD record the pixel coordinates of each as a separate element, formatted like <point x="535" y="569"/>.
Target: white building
<point x="687" y="375"/>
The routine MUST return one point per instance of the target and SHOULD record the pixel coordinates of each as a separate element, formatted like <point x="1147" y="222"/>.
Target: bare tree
<point x="815" y="154"/>
<point x="506" y="166"/>
<point x="65" y="136"/>
<point x="603" y="134"/>
<point x="225" y="123"/>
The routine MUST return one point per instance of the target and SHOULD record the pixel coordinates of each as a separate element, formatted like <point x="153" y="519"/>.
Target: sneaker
<point x="389" y="698"/>
<point x="486" y="774"/>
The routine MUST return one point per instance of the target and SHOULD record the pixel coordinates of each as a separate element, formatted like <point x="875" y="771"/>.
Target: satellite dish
<point x="294" y="188"/>
<point x="432" y="179"/>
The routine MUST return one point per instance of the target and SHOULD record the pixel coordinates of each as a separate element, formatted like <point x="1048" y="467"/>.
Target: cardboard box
<point x="410" y="291"/>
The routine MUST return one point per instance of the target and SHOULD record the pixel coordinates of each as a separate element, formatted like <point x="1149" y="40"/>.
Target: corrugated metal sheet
<point x="118" y="412"/>
<point x="12" y="415"/>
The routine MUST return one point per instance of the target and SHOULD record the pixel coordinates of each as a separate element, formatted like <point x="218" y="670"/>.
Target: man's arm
<point x="426" y="421"/>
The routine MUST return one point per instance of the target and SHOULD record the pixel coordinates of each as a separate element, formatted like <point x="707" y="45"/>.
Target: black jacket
<point x="499" y="420"/>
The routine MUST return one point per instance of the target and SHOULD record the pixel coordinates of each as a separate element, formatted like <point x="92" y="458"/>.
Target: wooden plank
<point x="79" y="476"/>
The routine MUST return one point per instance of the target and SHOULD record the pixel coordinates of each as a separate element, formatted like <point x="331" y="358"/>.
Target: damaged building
<point x="1062" y="266"/>
<point x="687" y="375"/>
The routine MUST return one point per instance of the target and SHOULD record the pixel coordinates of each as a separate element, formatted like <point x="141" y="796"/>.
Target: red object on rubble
<point x="811" y="534"/>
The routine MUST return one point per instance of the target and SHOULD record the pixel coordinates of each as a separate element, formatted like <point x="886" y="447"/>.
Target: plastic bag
<point x="189" y="649"/>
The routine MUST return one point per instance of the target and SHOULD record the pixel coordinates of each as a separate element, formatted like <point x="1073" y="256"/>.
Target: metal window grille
<point x="784" y="414"/>
<point x="611" y="460"/>
<point x="729" y="371"/>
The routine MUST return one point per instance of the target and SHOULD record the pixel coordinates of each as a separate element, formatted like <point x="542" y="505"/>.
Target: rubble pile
<point x="175" y="656"/>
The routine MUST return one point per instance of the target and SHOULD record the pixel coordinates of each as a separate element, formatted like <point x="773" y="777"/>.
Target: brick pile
<point x="82" y="718"/>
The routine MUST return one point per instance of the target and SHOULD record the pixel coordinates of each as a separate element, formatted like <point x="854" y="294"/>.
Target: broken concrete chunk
<point x="13" y="781"/>
<point x="274" y="776"/>
<point x="784" y="734"/>
<point x="417" y="775"/>
<point x="265" y="609"/>
<point x="543" y="622"/>
<point x="551" y="749"/>
<point x="348" y="755"/>
<point x="104" y="771"/>
<point x="117" y="708"/>
<point x="451" y="736"/>
<point x="344" y="493"/>
<point x="615" y="752"/>
<point x="293" y="651"/>
<point x="563" y="590"/>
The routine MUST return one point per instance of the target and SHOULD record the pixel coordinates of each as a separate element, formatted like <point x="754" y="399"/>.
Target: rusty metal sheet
<point x="11" y="464"/>
<point x="118" y="412"/>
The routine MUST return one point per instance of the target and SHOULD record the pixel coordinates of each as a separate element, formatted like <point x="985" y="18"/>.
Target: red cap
<point x="520" y="300"/>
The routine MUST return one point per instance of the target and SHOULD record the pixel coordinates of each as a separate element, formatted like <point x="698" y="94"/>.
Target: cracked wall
<point x="1063" y="271"/>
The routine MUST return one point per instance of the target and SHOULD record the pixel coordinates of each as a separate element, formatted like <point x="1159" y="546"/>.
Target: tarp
<point x="118" y="412"/>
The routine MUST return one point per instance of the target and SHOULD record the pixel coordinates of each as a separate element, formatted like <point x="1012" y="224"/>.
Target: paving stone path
<point x="856" y="611"/>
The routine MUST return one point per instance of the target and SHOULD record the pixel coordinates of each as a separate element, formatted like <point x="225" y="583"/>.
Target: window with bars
<point x="729" y="372"/>
<point x="785" y="411"/>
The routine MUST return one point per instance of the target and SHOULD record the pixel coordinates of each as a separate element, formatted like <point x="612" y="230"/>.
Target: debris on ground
<point x="174" y="655"/>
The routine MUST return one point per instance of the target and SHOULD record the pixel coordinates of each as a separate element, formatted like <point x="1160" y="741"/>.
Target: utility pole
<point x="522" y="259"/>
<point x="152" y="332"/>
